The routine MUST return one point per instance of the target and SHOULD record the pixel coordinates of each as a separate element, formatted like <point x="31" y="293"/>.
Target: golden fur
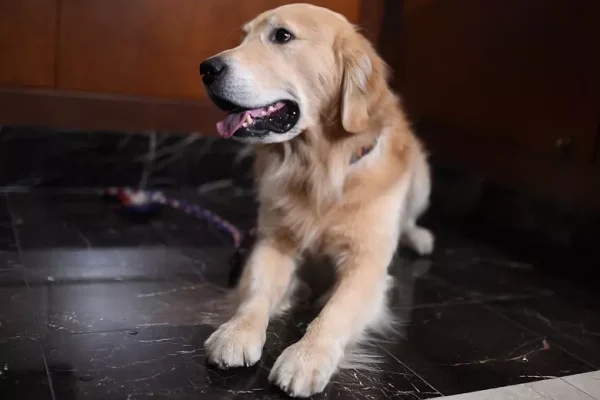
<point x="312" y="199"/>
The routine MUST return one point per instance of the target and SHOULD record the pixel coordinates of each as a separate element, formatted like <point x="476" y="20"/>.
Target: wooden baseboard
<point x="91" y="111"/>
<point x="567" y="180"/>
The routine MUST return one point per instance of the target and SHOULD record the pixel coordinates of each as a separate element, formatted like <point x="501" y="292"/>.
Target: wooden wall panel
<point x="511" y="71"/>
<point x="590" y="11"/>
<point x="27" y="42"/>
<point x="153" y="47"/>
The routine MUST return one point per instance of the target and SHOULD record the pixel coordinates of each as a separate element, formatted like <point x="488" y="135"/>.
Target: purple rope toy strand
<point x="141" y="200"/>
<point x="209" y="216"/>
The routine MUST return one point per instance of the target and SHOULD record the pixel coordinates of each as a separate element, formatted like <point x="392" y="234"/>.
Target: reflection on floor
<point x="95" y="306"/>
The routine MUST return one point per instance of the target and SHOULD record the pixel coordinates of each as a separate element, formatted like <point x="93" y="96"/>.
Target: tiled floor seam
<point x="578" y="388"/>
<point x="412" y="371"/>
<point x="488" y="307"/>
<point x="520" y="325"/>
<point x="529" y="386"/>
<point x="17" y="240"/>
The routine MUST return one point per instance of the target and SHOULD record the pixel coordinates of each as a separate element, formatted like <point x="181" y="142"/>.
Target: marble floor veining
<point x="96" y="306"/>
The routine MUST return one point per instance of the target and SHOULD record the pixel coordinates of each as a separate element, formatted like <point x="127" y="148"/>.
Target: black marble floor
<point x="95" y="306"/>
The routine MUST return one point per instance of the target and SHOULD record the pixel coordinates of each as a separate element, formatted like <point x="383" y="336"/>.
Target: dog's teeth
<point x="245" y="125"/>
<point x="249" y="120"/>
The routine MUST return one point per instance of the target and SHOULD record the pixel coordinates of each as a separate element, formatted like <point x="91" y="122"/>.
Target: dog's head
<point x="297" y="66"/>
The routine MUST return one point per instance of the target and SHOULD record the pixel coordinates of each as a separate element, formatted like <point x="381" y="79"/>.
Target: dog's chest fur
<point x="306" y="197"/>
<point x="298" y="201"/>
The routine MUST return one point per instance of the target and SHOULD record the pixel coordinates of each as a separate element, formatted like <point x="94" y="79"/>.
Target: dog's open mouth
<point x="279" y="117"/>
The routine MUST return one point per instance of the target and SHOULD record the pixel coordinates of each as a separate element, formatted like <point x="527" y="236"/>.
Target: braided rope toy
<point x="145" y="202"/>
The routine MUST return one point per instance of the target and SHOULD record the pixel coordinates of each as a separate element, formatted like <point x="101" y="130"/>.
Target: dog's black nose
<point x="212" y="69"/>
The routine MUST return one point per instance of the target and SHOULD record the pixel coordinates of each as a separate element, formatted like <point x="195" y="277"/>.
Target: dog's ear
<point x="364" y="82"/>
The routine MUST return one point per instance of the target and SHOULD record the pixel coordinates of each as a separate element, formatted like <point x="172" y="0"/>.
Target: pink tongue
<point x="231" y="123"/>
<point x="234" y="121"/>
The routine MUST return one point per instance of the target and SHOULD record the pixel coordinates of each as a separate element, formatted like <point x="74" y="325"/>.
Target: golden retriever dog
<point x="339" y="173"/>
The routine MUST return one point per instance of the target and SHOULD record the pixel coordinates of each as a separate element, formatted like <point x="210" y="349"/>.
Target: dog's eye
<point x="281" y="35"/>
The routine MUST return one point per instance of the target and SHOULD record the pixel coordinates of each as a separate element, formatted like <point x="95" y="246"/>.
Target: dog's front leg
<point x="263" y="286"/>
<point x="358" y="300"/>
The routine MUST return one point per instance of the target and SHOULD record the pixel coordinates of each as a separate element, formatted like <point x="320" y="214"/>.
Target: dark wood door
<point x="522" y="74"/>
<point x="27" y="43"/>
<point x="153" y="47"/>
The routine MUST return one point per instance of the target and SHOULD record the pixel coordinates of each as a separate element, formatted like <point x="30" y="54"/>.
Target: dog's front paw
<point x="235" y="344"/>
<point x="304" y="369"/>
